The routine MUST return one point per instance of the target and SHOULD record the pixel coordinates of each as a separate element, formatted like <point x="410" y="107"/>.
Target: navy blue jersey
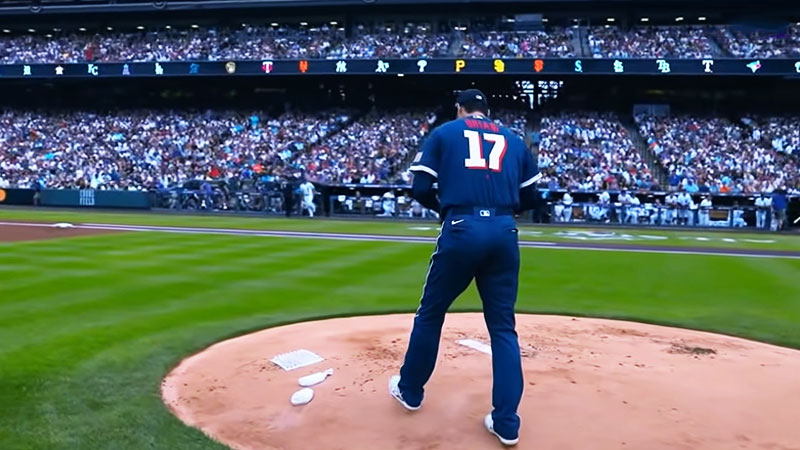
<point x="477" y="163"/>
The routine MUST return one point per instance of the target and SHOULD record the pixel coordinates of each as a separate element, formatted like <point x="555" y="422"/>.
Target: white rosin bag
<point x="314" y="378"/>
<point x="302" y="397"/>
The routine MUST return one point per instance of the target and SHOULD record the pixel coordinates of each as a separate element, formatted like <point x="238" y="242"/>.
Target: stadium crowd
<point x="650" y="42"/>
<point x="757" y="44"/>
<point x="372" y="150"/>
<point x="148" y="149"/>
<point x="722" y="156"/>
<point x="410" y="40"/>
<point x="590" y="151"/>
<point x="554" y="43"/>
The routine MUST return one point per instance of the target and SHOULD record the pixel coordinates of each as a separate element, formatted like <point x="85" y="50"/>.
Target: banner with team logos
<point x="403" y="67"/>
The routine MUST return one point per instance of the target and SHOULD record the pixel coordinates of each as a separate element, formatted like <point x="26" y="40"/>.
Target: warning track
<point x="606" y="247"/>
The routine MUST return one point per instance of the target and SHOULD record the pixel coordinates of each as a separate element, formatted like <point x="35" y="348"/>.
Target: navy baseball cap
<point x="473" y="99"/>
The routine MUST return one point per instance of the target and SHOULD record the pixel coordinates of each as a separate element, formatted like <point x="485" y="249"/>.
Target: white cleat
<point x="488" y="422"/>
<point x="394" y="390"/>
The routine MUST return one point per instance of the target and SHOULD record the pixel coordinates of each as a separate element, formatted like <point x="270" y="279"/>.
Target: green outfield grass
<point x="648" y="236"/>
<point x="90" y="325"/>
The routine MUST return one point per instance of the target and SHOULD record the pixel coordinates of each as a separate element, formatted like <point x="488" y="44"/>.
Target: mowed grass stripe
<point x="184" y="286"/>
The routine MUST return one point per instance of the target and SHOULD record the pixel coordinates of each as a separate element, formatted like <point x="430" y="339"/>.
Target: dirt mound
<point x="589" y="384"/>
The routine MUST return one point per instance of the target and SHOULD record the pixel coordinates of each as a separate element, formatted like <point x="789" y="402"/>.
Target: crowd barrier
<point x="394" y="201"/>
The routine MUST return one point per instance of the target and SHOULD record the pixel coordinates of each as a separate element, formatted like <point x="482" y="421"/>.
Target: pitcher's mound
<point x="589" y="384"/>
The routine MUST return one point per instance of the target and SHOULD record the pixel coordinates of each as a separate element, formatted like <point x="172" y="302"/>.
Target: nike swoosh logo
<point x="456" y="222"/>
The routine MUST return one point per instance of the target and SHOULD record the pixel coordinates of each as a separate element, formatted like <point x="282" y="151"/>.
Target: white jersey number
<point x="476" y="159"/>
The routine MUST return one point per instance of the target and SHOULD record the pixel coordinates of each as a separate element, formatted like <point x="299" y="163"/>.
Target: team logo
<point x="267" y="66"/>
<point x="92" y="69"/>
<point x="499" y="66"/>
<point x="708" y="65"/>
<point x="754" y="66"/>
<point x="460" y="65"/>
<point x="341" y="66"/>
<point x="158" y="69"/>
<point x="578" y="66"/>
<point x="126" y="70"/>
<point x="194" y="68"/>
<point x="59" y="70"/>
<point x="2" y="196"/>
<point x="26" y="70"/>
<point x="797" y="67"/>
<point x="422" y="64"/>
<point x="383" y="66"/>
<point x="618" y="66"/>
<point x="663" y="66"/>
<point x="303" y="66"/>
<point x="230" y="67"/>
<point x="538" y="65"/>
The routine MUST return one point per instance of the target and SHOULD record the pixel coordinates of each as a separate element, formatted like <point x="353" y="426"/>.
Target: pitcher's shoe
<point x="394" y="390"/>
<point x="488" y="422"/>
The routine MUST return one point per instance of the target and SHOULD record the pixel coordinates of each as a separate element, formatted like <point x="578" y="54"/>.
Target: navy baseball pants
<point x="486" y="249"/>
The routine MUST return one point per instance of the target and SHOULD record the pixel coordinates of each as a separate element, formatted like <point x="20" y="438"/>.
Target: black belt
<point x="480" y="211"/>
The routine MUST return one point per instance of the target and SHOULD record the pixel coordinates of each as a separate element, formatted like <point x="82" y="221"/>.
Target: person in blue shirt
<point x="485" y="174"/>
<point x="779" y="204"/>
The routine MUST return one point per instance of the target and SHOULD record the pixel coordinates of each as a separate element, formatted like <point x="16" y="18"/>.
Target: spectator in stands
<point x="590" y="151"/>
<point x="650" y="42"/>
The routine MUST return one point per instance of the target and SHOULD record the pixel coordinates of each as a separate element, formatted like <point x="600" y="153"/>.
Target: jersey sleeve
<point x="530" y="171"/>
<point x="428" y="159"/>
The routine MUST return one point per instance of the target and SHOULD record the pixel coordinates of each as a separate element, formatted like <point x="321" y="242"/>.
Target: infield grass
<point x="90" y="325"/>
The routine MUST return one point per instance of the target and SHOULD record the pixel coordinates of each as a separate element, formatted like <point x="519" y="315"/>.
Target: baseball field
<point x="92" y="318"/>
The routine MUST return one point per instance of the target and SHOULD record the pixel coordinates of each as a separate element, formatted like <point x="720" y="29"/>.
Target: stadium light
<point x="6" y="31"/>
<point x="110" y="28"/>
<point x="82" y="29"/>
<point x="56" y="29"/>
<point x="303" y="24"/>
<point x="610" y="19"/>
<point x="333" y="22"/>
<point x="545" y="20"/>
<point x="195" y="26"/>
<point x="702" y="18"/>
<point x="511" y="19"/>
<point x="31" y="30"/>
<point x="140" y="27"/>
<point x="48" y="35"/>
<point x="168" y="27"/>
<point x="679" y="19"/>
<point x="645" y="19"/>
<point x="274" y="24"/>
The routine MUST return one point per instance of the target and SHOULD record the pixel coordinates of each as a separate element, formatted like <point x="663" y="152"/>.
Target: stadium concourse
<point x="405" y="40"/>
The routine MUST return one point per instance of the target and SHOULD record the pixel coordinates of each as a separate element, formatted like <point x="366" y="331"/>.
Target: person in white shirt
<point x="738" y="216"/>
<point x="567" y="211"/>
<point x="763" y="204"/>
<point x="705" y="207"/>
<point x="632" y="214"/>
<point x="670" y="202"/>
<point x="683" y="200"/>
<point x="388" y="204"/>
<point x="624" y="201"/>
<point x="307" y="189"/>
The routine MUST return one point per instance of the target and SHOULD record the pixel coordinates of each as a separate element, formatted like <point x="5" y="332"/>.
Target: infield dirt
<point x="589" y="384"/>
